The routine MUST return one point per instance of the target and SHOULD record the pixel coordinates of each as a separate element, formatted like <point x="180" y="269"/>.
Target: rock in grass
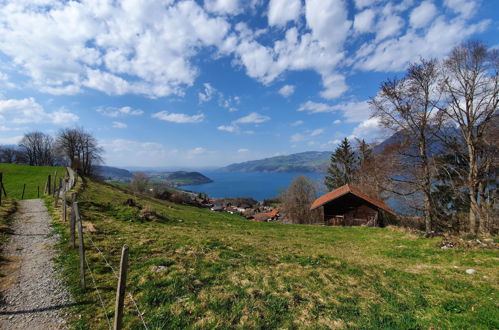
<point x="470" y="271"/>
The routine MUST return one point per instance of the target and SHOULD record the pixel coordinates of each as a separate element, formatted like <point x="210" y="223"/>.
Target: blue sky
<point x="207" y="83"/>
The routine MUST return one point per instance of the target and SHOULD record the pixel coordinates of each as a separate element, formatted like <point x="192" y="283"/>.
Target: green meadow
<point x="193" y="268"/>
<point x="15" y="176"/>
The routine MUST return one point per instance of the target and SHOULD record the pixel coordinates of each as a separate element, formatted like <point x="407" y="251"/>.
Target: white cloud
<point x="337" y="121"/>
<point x="252" y="118"/>
<point x="228" y="128"/>
<point x="364" y="21"/>
<point x="117" y="112"/>
<point x="315" y="107"/>
<point x="179" y="118"/>
<point x="353" y="111"/>
<point x="396" y="51"/>
<point x="287" y="90"/>
<point x="118" y="124"/>
<point x="207" y="94"/>
<point x="297" y="123"/>
<point x="26" y="111"/>
<point x="361" y="4"/>
<point x="322" y="15"/>
<point x="317" y="131"/>
<point x="223" y="6"/>
<point x="139" y="47"/>
<point x="283" y="11"/>
<point x="242" y="150"/>
<point x="369" y="129"/>
<point x="466" y="8"/>
<point x="423" y="14"/>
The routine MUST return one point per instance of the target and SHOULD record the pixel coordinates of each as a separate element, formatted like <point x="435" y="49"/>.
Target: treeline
<point x="73" y="147"/>
<point x="444" y="161"/>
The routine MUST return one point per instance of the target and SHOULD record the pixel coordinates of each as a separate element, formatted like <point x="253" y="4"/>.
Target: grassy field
<point x="192" y="268"/>
<point x="14" y="176"/>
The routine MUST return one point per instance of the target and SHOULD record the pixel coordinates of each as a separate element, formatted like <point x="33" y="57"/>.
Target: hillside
<point x="310" y="161"/>
<point x="193" y="268"/>
<point x="15" y="176"/>
<point x="179" y="178"/>
<point x="112" y="173"/>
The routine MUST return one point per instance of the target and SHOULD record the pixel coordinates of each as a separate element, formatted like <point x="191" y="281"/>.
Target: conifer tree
<point x="342" y="168"/>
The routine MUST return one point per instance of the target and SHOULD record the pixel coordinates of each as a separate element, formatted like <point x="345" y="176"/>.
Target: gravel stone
<point x="36" y="298"/>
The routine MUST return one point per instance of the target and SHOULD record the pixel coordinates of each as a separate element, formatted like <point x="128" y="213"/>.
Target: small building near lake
<point x="348" y="206"/>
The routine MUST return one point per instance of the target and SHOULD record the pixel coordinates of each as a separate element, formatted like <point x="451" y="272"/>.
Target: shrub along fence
<point x="76" y="224"/>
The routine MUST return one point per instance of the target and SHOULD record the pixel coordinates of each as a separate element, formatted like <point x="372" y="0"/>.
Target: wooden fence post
<point x="24" y="189"/>
<point x="120" y="291"/>
<point x="58" y="194"/>
<point x="1" y="187"/>
<point x="48" y="186"/>
<point x="63" y="205"/>
<point x="55" y="181"/>
<point x="72" y="221"/>
<point x="81" y="246"/>
<point x="38" y="192"/>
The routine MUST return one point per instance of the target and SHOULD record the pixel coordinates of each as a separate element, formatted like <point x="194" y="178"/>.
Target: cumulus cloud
<point x="364" y="21"/>
<point x="282" y="11"/>
<point x="114" y="47"/>
<point x="27" y="111"/>
<point x="287" y="90"/>
<point x="180" y="118"/>
<point x="298" y="123"/>
<point x="223" y="6"/>
<point x="114" y="112"/>
<point x="423" y="14"/>
<point x="369" y="129"/>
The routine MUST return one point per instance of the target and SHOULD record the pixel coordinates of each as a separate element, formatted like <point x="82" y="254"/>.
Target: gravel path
<point x="32" y="295"/>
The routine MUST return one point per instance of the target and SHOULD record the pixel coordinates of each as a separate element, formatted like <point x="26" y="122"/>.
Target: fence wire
<point x="98" y="294"/>
<point x="106" y="261"/>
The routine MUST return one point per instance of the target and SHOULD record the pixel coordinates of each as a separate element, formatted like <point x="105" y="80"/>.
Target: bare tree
<point x="11" y="155"/>
<point x="297" y="199"/>
<point x="139" y="181"/>
<point x="79" y="148"/>
<point x="471" y="86"/>
<point x="408" y="106"/>
<point x="38" y="148"/>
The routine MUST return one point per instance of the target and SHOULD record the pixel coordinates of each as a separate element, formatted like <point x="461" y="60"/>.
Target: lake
<point x="248" y="184"/>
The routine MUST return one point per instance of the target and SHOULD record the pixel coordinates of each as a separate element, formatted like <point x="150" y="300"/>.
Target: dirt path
<point x="32" y="295"/>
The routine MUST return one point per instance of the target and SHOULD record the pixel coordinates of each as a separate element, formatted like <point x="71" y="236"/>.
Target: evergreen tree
<point x="342" y="167"/>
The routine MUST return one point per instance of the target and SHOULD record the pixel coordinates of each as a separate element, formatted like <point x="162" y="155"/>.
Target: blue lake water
<point x="248" y="184"/>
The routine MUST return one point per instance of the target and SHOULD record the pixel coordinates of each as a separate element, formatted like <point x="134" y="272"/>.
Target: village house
<point x="348" y="206"/>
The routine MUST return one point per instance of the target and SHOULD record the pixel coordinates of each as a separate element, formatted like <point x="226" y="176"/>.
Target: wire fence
<point x="119" y="276"/>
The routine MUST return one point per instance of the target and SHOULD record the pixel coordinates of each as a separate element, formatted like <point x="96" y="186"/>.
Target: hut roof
<point x="346" y="189"/>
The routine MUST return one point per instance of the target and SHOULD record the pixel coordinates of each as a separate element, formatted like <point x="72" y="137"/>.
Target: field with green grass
<point x="15" y="176"/>
<point x="192" y="268"/>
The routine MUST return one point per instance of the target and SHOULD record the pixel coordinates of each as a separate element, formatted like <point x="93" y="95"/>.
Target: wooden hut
<point x="348" y="206"/>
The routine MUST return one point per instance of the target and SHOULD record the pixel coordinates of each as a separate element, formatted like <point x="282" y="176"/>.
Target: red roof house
<point x="348" y="206"/>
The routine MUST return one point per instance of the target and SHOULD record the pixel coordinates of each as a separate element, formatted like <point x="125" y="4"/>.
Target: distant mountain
<point x="112" y="173"/>
<point x="179" y="178"/>
<point x="310" y="161"/>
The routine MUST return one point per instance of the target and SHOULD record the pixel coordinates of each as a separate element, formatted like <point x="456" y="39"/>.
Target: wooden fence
<point x="76" y="225"/>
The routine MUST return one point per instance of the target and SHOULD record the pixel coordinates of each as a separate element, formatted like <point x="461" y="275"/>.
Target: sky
<point x="212" y="82"/>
